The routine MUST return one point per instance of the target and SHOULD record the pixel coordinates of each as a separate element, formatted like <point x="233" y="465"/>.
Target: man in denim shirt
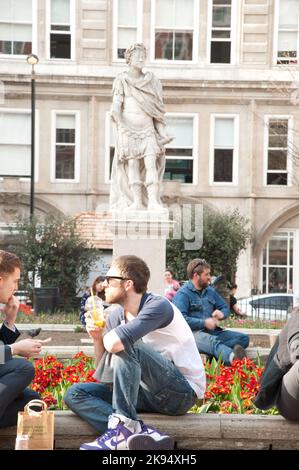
<point x="203" y="308"/>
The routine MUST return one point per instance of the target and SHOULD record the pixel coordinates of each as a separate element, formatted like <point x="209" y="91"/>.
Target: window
<point x="221" y="31"/>
<point x="110" y="147"/>
<point x="66" y="165"/>
<point x="127" y="25"/>
<point x="277" y="151"/>
<point x="15" y="140"/>
<point x="61" y="29"/>
<point x="224" y="147"/>
<point x="278" y="262"/>
<point x="180" y="161"/>
<point x="174" y="33"/>
<point x="15" y="143"/>
<point x="287" y="32"/>
<point x="180" y="152"/>
<point x="16" y="27"/>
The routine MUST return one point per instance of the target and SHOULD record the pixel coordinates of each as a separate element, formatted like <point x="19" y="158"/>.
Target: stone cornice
<point x="185" y="91"/>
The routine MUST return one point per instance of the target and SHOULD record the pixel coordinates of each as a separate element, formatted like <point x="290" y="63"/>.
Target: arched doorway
<point x="276" y="252"/>
<point x="13" y="208"/>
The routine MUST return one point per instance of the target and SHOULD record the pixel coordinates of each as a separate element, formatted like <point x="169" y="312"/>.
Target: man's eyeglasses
<point x="120" y="278"/>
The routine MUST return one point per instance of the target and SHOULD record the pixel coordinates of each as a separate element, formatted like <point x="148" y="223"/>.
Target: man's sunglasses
<point x="198" y="264"/>
<point x="120" y="278"/>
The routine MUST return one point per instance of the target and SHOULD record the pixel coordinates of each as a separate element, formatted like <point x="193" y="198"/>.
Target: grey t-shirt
<point x="154" y="312"/>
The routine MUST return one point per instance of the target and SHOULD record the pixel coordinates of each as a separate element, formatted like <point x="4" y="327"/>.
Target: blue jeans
<point x="143" y="381"/>
<point x="219" y="342"/>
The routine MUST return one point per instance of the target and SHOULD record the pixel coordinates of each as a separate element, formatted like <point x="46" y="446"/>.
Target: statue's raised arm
<point x="138" y="115"/>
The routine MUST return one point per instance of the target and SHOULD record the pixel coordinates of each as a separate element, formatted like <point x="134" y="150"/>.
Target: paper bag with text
<point x="35" y="429"/>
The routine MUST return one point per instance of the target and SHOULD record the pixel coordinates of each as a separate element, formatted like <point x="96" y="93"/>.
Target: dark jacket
<point x="198" y="305"/>
<point x="82" y="307"/>
<point x="7" y="336"/>
<point x="283" y="355"/>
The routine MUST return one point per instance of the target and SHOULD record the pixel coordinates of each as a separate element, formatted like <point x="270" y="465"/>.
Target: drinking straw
<point x="93" y="304"/>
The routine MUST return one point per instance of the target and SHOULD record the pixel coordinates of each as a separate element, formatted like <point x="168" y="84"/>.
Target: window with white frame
<point x="278" y="262"/>
<point x="15" y="143"/>
<point x="16" y="27"/>
<point x="110" y="148"/>
<point x="221" y="31"/>
<point x="179" y="153"/>
<point x="277" y="151"/>
<point x="66" y="132"/>
<point x="174" y="29"/>
<point x="61" y="29"/>
<point x="287" y="32"/>
<point x="224" y="147"/>
<point x="127" y="25"/>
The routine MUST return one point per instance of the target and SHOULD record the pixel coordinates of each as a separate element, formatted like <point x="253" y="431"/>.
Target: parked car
<point x="267" y="306"/>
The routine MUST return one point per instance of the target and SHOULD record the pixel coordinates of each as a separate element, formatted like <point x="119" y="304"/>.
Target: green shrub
<point x="53" y="250"/>
<point x="225" y="235"/>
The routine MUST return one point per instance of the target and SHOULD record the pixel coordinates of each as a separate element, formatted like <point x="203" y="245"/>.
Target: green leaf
<point x="52" y="249"/>
<point x="225" y="235"/>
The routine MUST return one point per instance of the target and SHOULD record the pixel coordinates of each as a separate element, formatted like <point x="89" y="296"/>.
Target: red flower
<point x="26" y="309"/>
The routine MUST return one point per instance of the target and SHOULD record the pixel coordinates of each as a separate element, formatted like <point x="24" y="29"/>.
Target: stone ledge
<point x="47" y="326"/>
<point x="72" y="327"/>
<point x="257" y="331"/>
<point x="191" y="431"/>
<point x="67" y="352"/>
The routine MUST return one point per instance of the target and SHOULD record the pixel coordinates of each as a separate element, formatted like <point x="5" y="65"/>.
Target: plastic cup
<point x="98" y="317"/>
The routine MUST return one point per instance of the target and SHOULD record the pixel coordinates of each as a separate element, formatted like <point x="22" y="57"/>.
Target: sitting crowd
<point x="147" y="354"/>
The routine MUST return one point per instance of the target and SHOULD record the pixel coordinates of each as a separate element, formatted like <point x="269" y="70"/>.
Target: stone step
<point x="246" y="331"/>
<point x="191" y="431"/>
<point x="67" y="327"/>
<point x="257" y="331"/>
<point x="47" y="327"/>
<point x="86" y="341"/>
<point x="252" y="351"/>
<point x="66" y="352"/>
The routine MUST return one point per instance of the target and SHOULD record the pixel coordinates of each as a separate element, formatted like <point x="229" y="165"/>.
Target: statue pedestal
<point x="143" y="234"/>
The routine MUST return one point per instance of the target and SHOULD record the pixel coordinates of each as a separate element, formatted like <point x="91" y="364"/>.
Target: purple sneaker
<point x="150" y="439"/>
<point x="119" y="430"/>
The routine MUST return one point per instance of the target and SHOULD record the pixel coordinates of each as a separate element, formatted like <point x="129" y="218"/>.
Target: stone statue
<point x="140" y="135"/>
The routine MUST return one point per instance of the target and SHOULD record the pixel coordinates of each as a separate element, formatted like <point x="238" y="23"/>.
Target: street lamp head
<point x="32" y="59"/>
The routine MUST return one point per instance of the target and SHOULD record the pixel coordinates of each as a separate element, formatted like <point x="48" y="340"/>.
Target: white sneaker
<point x="120" y="428"/>
<point x="150" y="439"/>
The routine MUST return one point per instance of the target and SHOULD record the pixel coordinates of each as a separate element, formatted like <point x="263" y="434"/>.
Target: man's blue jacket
<point x="198" y="305"/>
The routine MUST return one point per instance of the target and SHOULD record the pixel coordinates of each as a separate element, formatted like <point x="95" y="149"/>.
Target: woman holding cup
<point x="97" y="292"/>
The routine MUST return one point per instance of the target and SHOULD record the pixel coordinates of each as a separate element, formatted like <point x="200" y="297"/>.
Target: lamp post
<point x="32" y="60"/>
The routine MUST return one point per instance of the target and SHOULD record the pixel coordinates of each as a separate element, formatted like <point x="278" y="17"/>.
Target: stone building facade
<point x="229" y="70"/>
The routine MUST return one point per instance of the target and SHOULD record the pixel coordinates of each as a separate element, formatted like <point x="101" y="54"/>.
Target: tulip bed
<point x="52" y="377"/>
<point x="229" y="389"/>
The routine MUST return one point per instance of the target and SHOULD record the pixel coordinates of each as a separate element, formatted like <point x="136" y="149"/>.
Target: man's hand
<point x="211" y="323"/>
<point x="218" y="315"/>
<point x="95" y="332"/>
<point x="10" y="311"/>
<point x="26" y="347"/>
